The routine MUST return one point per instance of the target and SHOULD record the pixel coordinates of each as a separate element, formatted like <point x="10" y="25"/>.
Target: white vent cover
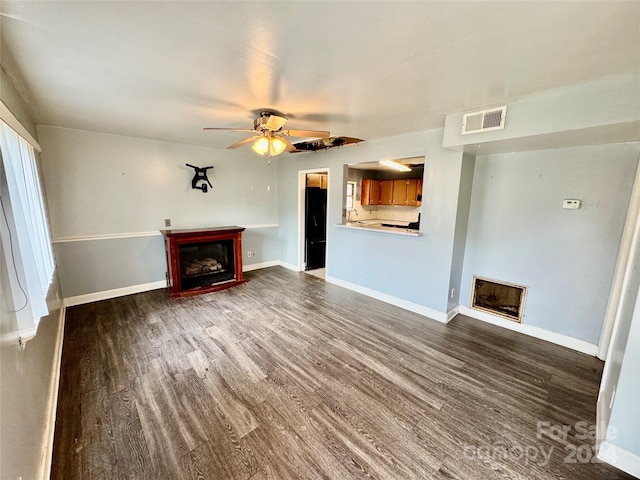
<point x="484" y="120"/>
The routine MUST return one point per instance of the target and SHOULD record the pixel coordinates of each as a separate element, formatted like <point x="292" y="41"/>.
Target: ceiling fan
<point x="269" y="137"/>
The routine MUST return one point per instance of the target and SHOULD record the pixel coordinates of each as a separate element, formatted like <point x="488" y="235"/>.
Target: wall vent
<point x="484" y="120"/>
<point x="500" y="298"/>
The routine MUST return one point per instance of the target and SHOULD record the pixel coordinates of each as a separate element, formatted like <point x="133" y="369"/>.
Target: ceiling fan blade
<point x="306" y="133"/>
<point x="275" y="122"/>
<point x="289" y="146"/>
<point x="241" y="142"/>
<point x="230" y="129"/>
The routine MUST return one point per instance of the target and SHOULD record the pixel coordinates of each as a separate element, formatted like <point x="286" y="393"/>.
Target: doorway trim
<point x="302" y="177"/>
<point x="624" y="266"/>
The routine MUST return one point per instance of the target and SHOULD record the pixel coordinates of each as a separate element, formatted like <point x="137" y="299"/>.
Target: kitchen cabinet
<point x="370" y="192"/>
<point x="399" y="196"/>
<point x="414" y="189"/>
<point x="407" y="192"/>
<point x="392" y="192"/>
<point x="317" y="180"/>
<point x="412" y="192"/>
<point x="386" y="192"/>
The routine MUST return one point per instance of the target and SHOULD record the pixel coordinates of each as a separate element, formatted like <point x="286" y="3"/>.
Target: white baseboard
<point x="621" y="458"/>
<point x="257" y="266"/>
<point x="289" y="266"/>
<point x="452" y="313"/>
<point x="116" y="292"/>
<point x="532" y="331"/>
<point x="52" y="401"/>
<point x="398" y="302"/>
<point x="145" y="287"/>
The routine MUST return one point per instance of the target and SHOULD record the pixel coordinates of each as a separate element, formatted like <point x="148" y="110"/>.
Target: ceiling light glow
<point x="395" y="165"/>
<point x="270" y="145"/>
<point x="261" y="146"/>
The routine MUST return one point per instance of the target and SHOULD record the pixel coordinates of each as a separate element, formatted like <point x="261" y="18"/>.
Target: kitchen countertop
<point x="376" y="225"/>
<point x="378" y="221"/>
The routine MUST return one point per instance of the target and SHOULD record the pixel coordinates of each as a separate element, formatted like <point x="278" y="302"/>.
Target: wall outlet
<point x="571" y="204"/>
<point x="250" y="253"/>
<point x="167" y="222"/>
<point x="453" y="292"/>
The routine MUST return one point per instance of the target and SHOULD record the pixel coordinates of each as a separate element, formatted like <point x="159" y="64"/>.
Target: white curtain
<point x="25" y="234"/>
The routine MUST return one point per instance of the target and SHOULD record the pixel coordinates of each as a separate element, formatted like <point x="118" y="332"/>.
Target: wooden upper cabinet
<point x="386" y="192"/>
<point x="375" y="192"/>
<point x="412" y="192"/>
<point x="399" y="192"/>
<point x="406" y="192"/>
<point x="370" y="192"/>
<point x="365" y="192"/>
<point x="317" y="180"/>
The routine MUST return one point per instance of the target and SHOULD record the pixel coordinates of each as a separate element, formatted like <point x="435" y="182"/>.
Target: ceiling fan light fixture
<point x="269" y="144"/>
<point x="261" y="146"/>
<point x="276" y="146"/>
<point x="271" y="139"/>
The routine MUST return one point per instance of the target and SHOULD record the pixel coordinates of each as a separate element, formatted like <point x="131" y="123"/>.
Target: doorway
<point x="314" y="188"/>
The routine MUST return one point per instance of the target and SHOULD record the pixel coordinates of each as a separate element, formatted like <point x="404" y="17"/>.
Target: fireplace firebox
<point x="203" y="260"/>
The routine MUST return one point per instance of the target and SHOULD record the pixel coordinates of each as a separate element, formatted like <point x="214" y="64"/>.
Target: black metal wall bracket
<point x="200" y="174"/>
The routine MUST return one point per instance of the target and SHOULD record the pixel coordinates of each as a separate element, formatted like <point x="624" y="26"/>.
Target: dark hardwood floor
<point x="288" y="377"/>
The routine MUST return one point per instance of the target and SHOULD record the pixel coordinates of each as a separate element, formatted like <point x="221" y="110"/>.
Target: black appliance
<point x="415" y="225"/>
<point x="315" y="227"/>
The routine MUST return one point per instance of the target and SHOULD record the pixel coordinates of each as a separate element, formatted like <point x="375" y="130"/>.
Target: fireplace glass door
<point x="206" y="263"/>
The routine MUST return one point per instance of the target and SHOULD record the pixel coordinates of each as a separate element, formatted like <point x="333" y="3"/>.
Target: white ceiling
<point x="164" y="70"/>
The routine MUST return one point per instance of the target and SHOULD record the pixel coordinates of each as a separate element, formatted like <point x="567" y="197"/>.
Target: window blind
<point x="26" y="241"/>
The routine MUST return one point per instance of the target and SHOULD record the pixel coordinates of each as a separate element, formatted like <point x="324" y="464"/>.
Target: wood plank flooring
<point x="288" y="377"/>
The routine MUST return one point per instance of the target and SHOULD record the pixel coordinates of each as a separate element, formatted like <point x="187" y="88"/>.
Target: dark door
<point x="315" y="227"/>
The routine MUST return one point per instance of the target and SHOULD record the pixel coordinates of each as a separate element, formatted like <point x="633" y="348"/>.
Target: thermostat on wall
<point x="571" y="204"/>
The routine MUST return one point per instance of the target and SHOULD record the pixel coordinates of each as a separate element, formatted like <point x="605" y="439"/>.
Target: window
<point x="351" y="194"/>
<point x="26" y="242"/>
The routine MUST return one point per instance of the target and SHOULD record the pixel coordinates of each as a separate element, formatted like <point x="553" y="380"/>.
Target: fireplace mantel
<point x="203" y="260"/>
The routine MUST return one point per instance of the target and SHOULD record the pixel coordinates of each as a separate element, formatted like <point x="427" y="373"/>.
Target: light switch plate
<point x="571" y="204"/>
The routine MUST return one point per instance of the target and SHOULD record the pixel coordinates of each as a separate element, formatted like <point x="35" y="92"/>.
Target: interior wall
<point x="586" y="114"/>
<point x="102" y="186"/>
<point x="519" y="233"/>
<point x="14" y="97"/>
<point x="27" y="377"/>
<point x="27" y="381"/>
<point x="462" y="221"/>
<point x="414" y="269"/>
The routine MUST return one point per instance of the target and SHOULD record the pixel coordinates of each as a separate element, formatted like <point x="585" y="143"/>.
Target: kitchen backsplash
<point x="383" y="212"/>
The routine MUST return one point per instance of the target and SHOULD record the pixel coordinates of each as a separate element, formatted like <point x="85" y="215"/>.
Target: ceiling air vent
<point x="484" y="120"/>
